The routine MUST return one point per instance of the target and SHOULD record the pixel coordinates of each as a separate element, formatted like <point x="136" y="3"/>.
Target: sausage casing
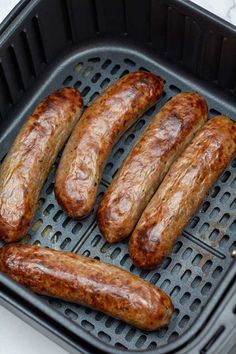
<point x="148" y="162"/>
<point x="182" y="191"/>
<point x="86" y="152"/>
<point x="30" y="158"/>
<point x="88" y="282"/>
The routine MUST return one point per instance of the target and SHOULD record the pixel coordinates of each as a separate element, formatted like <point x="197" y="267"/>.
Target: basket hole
<point x="104" y="337"/>
<point x="129" y="62"/>
<point x="106" y="64"/>
<point x="161" y="332"/>
<point x="154" y="279"/>
<point x="176" y="269"/>
<point x="224" y="240"/>
<point x="233" y="204"/>
<point x="144" y="274"/>
<point x="165" y="284"/>
<point x="77" y="228"/>
<point x="55" y="303"/>
<point x="85" y="91"/>
<point x="37" y="225"/>
<point x="115" y="253"/>
<point x="140" y="342"/>
<point x="48" y="209"/>
<point x="205" y="206"/>
<point x="214" y="234"/>
<point x="120" y="346"/>
<point x="94" y="96"/>
<point x="217" y="272"/>
<point x="214" y="112"/>
<point x="173" y="337"/>
<point x="225" y="197"/>
<point x="187" y="253"/>
<point x="166" y="262"/>
<point x="203" y="229"/>
<point x="77" y="84"/>
<point x="175" y="89"/>
<point x="57" y="215"/>
<point x="99" y="316"/>
<point x="96" y="77"/>
<point x="78" y="67"/>
<point x="139" y="125"/>
<point x="71" y="314"/>
<point x="196" y="281"/>
<point x="87" y="325"/>
<point x="207" y="266"/>
<point x="56" y="237"/>
<point x="65" y="243"/>
<point x="87" y="71"/>
<point x="233" y="226"/>
<point x="184" y="321"/>
<point x="214" y="213"/>
<point x="66" y="221"/>
<point x="125" y="72"/>
<point x="94" y="60"/>
<point x="109" y="322"/>
<point x="120" y="328"/>
<point x="129" y="336"/>
<point x="225" y="176"/>
<point x="86" y="253"/>
<point x="96" y="240"/>
<point x="185" y="298"/>
<point x="118" y="153"/>
<point x="37" y="243"/>
<point x="206" y="288"/>
<point x="50" y="188"/>
<point x="41" y="201"/>
<point x="194" y="222"/>
<point x="124" y="259"/>
<point x="105" y="83"/>
<point x="224" y="220"/>
<point x="105" y="247"/>
<point x="142" y="68"/>
<point x="197" y="259"/>
<point x="115" y="69"/>
<point x="129" y="139"/>
<point x="108" y="167"/>
<point x="177" y="247"/>
<point x="174" y="292"/>
<point x="152" y="345"/>
<point x="233" y="183"/>
<point x="67" y="80"/>
<point x="151" y="110"/>
<point x="195" y="305"/>
<point x="187" y="274"/>
<point x="215" y="191"/>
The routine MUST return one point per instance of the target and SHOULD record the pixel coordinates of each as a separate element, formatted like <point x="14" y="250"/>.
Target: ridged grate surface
<point x="199" y="260"/>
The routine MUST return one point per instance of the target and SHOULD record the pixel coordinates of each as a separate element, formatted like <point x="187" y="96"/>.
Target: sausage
<point x="181" y="192"/>
<point x="85" y="155"/>
<point x="89" y="282"/>
<point x="30" y="158"/>
<point x="148" y="162"/>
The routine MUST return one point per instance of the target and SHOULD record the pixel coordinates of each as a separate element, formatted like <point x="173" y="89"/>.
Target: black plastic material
<point x="47" y="44"/>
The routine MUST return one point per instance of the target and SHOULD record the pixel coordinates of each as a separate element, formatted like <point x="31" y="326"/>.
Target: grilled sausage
<point x="88" y="282"/>
<point x="148" y="162"/>
<point x="85" y="155"/>
<point x="182" y="191"/>
<point x="28" y="162"/>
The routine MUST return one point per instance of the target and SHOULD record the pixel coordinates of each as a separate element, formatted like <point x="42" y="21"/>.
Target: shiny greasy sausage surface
<point x="148" y="162"/>
<point x="182" y="191"/>
<point x="88" y="282"/>
<point x="86" y="152"/>
<point x="30" y="158"/>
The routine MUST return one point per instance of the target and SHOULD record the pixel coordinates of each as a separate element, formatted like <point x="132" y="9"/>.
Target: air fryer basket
<point x="45" y="45"/>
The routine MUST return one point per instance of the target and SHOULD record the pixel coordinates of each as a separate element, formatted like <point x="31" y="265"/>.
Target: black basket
<point x="47" y="44"/>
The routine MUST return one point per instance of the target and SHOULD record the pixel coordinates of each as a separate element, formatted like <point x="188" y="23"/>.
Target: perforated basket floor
<point x="202" y="254"/>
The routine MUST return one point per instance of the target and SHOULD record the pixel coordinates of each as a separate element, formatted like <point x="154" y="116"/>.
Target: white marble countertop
<point x="16" y="337"/>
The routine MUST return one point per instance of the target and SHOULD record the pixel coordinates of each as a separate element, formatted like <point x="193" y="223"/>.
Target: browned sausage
<point x="182" y="191"/>
<point x="137" y="180"/>
<point x="30" y="158"/>
<point x="88" y="282"/>
<point x="85" y="155"/>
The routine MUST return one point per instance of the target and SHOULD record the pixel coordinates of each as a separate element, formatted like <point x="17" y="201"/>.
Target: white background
<point x="15" y="336"/>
